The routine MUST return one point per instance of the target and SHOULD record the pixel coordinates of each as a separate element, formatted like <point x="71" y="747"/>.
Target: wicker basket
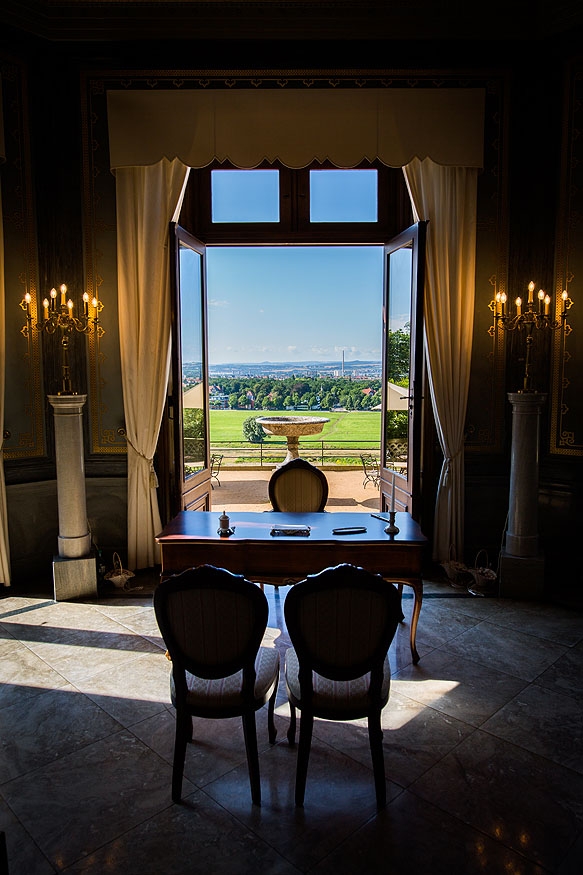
<point x="484" y="576"/>
<point x="119" y="576"/>
<point x="458" y="574"/>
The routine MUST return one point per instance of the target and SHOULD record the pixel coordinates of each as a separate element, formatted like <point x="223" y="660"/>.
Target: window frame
<point x="294" y="226"/>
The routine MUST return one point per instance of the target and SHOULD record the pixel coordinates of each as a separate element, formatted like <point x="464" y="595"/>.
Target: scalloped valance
<point x="296" y="127"/>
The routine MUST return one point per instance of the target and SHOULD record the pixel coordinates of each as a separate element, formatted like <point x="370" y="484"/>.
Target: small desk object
<point x="282" y="548"/>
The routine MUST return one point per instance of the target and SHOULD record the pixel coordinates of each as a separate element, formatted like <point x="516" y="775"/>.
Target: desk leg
<point x="417" y="587"/>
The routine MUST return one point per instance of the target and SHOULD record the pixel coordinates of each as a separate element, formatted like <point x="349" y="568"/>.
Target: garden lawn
<point x="344" y="425"/>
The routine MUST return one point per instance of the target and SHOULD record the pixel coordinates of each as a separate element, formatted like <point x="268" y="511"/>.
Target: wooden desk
<point x="191" y="539"/>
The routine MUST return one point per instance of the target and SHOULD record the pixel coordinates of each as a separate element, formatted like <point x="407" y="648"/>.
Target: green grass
<point x="355" y="425"/>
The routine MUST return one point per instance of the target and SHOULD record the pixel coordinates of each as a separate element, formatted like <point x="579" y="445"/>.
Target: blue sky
<point x="296" y="303"/>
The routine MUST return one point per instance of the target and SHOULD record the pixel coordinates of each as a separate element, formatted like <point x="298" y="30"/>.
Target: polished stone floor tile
<point x="90" y="797"/>
<point x="47" y="727"/>
<point x="524" y="801"/>
<point x="24" y="675"/>
<point x="462" y="689"/>
<point x="482" y="744"/>
<point x="133" y="690"/>
<point x="339" y="799"/>
<point x="542" y="620"/>
<point x="566" y="674"/>
<point x="412" y="836"/>
<point x="197" y="836"/>
<point x="517" y="654"/>
<point x="559" y="725"/>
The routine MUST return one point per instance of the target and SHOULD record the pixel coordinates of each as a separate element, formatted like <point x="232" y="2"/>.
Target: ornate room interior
<point x="80" y="83"/>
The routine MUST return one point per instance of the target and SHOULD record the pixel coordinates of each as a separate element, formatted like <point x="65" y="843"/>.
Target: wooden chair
<point x="215" y="468"/>
<point x="299" y="487"/>
<point x="370" y="466"/>
<point x="213" y="622"/>
<point x="341" y="623"/>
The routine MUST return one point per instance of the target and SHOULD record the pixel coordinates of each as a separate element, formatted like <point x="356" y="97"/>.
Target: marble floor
<point x="482" y="740"/>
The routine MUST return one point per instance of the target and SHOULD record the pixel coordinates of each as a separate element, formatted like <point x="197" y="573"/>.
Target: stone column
<point x="522" y="565"/>
<point x="74" y="571"/>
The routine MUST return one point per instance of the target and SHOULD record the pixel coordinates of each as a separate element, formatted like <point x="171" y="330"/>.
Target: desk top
<point x="197" y="526"/>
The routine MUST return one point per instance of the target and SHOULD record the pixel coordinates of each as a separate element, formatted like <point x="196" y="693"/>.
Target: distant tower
<point x="343" y="363"/>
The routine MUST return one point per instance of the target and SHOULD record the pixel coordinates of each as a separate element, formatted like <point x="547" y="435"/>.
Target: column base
<point x="522" y="577"/>
<point x="74" y="578"/>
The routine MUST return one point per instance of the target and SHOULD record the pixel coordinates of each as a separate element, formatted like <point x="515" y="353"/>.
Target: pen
<point x="349" y="530"/>
<point x="377" y="516"/>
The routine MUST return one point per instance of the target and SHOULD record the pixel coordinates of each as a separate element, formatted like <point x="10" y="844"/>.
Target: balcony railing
<point x="319" y="452"/>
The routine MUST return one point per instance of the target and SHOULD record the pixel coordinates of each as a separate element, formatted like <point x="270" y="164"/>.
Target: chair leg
<point x="183" y="735"/>
<point x="272" y="731"/>
<point x="306" y="726"/>
<point x="375" y="736"/>
<point x="250" y="734"/>
<point x="291" y="732"/>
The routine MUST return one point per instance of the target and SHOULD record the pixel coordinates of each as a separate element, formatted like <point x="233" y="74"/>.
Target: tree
<point x="398" y="354"/>
<point x="233" y="400"/>
<point x="253" y="431"/>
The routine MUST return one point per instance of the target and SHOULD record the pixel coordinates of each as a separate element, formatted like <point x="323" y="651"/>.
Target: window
<point x="274" y="204"/>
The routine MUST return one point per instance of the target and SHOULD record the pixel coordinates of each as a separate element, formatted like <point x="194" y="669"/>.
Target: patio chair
<point x="299" y="487"/>
<point x="213" y="622"/>
<point x="341" y="623"/>
<point x="215" y="468"/>
<point x="370" y="466"/>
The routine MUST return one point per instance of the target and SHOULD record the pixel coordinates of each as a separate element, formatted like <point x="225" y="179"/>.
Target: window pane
<point x="343" y="196"/>
<point x="191" y="332"/>
<point x="245" y="195"/>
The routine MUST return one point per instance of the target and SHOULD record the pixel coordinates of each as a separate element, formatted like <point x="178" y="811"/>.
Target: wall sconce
<point x="528" y="317"/>
<point x="61" y="317"/>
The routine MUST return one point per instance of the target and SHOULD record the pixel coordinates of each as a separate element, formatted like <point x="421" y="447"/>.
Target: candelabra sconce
<point x="61" y="317"/>
<point x="530" y="317"/>
<point x="521" y="559"/>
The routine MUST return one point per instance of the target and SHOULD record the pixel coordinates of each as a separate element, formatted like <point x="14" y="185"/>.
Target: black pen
<point x="349" y="530"/>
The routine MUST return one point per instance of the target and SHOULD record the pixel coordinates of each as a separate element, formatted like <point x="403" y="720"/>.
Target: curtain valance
<point x="295" y="127"/>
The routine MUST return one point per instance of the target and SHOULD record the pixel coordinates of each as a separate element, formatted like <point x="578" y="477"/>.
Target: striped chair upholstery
<point x="213" y="623"/>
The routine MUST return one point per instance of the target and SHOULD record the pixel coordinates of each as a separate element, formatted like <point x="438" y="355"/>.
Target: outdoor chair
<point x="213" y="622"/>
<point x="215" y="468"/>
<point x="370" y="466"/>
<point x="299" y="487"/>
<point x="341" y="623"/>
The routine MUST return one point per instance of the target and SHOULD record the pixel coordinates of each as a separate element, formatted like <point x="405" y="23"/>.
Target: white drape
<point x="148" y="199"/>
<point x="447" y="197"/>
<point x="4" y="545"/>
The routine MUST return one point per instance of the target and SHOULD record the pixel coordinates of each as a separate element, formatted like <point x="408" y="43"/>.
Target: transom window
<point x="318" y="204"/>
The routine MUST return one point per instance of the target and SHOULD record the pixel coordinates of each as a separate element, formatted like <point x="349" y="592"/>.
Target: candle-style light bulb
<point x="63" y="289"/>
<point x="70" y="306"/>
<point x="541" y="298"/>
<point x="27" y="300"/>
<point x="547" y="304"/>
<point x="518" y="303"/>
<point x="46" y="308"/>
<point x="530" y="291"/>
<point x="86" y="303"/>
<point x="564" y="296"/>
<point x="53" y="294"/>
<point x="503" y="299"/>
<point x="94" y="303"/>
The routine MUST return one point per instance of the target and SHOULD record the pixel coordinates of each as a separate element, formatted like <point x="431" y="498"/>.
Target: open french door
<point x="188" y="414"/>
<point x="402" y="408"/>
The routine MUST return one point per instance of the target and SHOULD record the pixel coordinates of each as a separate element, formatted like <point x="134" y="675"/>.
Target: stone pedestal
<point x="522" y="564"/>
<point x="79" y="578"/>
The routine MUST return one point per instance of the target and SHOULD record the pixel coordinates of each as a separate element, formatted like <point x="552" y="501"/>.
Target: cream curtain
<point x="447" y="197"/>
<point x="148" y="199"/>
<point x="4" y="544"/>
